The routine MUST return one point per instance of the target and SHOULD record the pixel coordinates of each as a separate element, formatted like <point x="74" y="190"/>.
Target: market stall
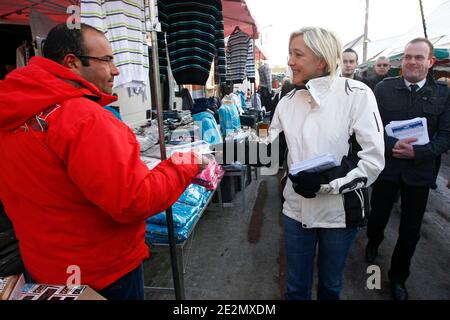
<point x="43" y="15"/>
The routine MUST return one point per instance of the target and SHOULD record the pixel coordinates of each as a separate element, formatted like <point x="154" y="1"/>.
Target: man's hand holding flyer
<point x="413" y="128"/>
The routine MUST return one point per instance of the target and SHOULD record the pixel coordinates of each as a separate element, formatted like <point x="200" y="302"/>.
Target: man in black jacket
<point x="349" y="64"/>
<point x="410" y="168"/>
<point x="382" y="67"/>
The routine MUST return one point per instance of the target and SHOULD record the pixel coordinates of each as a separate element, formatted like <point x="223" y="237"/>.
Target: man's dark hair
<point x="428" y="42"/>
<point x="351" y="51"/>
<point x="226" y="89"/>
<point x="286" y="88"/>
<point x="61" y="41"/>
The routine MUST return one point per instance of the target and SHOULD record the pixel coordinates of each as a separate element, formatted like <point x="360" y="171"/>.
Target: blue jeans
<point x="129" y="287"/>
<point x="300" y="244"/>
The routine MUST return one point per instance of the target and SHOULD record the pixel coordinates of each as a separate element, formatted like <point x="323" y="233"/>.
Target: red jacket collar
<point x="29" y="90"/>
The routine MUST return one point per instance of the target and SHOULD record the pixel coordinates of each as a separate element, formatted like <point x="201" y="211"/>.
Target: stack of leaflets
<point x="413" y="128"/>
<point x="200" y="146"/>
<point x="150" y="162"/>
<point x="317" y="164"/>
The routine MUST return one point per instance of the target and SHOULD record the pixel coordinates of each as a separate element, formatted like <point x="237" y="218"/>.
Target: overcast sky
<point x="276" y="19"/>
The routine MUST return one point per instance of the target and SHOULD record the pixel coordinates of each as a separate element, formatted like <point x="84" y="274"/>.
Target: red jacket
<point x="71" y="179"/>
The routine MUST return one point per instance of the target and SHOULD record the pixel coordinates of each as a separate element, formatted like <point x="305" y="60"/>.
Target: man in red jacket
<point x="71" y="178"/>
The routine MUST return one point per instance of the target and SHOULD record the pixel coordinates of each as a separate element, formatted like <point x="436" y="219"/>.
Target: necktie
<point x="414" y="88"/>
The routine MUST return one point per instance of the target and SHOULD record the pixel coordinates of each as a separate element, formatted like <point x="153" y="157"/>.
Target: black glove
<point x="304" y="193"/>
<point x="307" y="184"/>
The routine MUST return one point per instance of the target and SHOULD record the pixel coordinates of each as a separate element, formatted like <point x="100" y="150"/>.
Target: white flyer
<point x="413" y="128"/>
<point x="317" y="164"/>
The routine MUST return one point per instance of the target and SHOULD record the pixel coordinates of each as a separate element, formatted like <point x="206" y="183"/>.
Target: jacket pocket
<point x="431" y="111"/>
<point x="434" y="106"/>
<point x="356" y="206"/>
<point x="393" y="111"/>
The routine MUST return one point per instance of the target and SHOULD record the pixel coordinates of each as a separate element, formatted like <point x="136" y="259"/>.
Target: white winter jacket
<point x="319" y="120"/>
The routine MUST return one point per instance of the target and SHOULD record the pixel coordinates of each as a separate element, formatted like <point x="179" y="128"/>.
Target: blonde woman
<point x="325" y="114"/>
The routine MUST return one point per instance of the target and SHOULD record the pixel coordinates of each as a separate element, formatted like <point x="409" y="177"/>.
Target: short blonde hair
<point x="324" y="43"/>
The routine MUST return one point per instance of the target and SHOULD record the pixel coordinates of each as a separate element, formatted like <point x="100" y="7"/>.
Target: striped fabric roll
<point x="240" y="60"/>
<point x="194" y="36"/>
<point x="123" y="23"/>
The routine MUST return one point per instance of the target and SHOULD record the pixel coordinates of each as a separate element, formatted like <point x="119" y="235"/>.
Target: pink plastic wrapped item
<point x="210" y="176"/>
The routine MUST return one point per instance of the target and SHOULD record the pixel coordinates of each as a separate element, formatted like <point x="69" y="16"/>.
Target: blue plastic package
<point x="181" y="213"/>
<point x="158" y="233"/>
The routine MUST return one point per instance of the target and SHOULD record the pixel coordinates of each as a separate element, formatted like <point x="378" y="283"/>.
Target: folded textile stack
<point x="181" y="213"/>
<point x="176" y="118"/>
<point x="147" y="136"/>
<point x="185" y="213"/>
<point x="194" y="194"/>
<point x="157" y="233"/>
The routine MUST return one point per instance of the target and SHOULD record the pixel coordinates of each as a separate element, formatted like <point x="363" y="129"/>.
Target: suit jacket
<point x="432" y="101"/>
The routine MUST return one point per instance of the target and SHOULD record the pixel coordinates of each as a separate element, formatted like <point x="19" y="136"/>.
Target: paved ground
<point x="235" y="255"/>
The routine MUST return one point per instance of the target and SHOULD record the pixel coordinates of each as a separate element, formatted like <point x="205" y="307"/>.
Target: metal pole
<point x="423" y="19"/>
<point x="155" y="26"/>
<point x="366" y="32"/>
<point x="254" y="62"/>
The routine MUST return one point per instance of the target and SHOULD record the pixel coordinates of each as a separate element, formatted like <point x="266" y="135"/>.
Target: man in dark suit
<point x="410" y="168"/>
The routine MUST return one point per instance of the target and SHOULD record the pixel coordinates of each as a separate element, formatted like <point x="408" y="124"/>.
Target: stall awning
<point x="18" y="11"/>
<point x="236" y="13"/>
<point x="259" y="53"/>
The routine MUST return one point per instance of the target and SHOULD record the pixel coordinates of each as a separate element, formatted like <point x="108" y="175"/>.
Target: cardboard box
<point x="10" y="287"/>
<point x="15" y="288"/>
